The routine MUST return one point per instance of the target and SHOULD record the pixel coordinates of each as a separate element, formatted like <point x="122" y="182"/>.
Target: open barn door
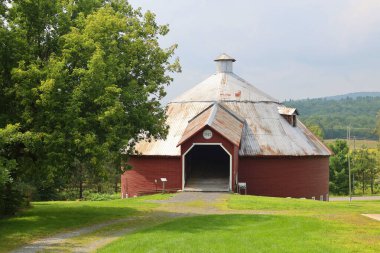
<point x="207" y="168"/>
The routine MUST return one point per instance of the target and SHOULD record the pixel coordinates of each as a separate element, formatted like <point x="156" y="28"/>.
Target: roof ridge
<point x="212" y="115"/>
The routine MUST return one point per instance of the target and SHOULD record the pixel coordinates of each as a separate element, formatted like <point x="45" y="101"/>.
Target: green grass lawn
<point x="302" y="206"/>
<point x="295" y="226"/>
<point x="46" y="218"/>
<point x="231" y="233"/>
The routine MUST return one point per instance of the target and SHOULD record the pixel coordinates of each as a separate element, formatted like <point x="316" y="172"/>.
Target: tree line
<point x="80" y="82"/>
<point x="364" y="165"/>
<point x="365" y="169"/>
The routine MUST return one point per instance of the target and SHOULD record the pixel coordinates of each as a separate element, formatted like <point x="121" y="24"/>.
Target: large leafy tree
<point x="365" y="168"/>
<point x="82" y="79"/>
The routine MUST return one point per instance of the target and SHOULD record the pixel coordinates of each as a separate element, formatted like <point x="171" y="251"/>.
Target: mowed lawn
<point x="47" y="218"/>
<point x="295" y="226"/>
<point x="285" y="225"/>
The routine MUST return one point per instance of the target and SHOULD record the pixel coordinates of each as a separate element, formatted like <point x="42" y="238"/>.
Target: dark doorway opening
<point x="207" y="168"/>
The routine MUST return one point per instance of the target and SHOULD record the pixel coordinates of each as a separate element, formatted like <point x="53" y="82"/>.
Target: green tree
<point x="83" y="80"/>
<point x="365" y="168"/>
<point x="104" y="89"/>
<point x="316" y="130"/>
<point x="15" y="149"/>
<point x="339" y="167"/>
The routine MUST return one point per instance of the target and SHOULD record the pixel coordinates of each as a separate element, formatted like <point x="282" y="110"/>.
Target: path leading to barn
<point x="91" y="238"/>
<point x="60" y="238"/>
<point x="199" y="203"/>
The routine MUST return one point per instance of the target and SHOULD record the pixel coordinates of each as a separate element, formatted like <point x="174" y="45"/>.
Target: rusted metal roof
<point x="197" y="123"/>
<point x="219" y="118"/>
<point x="178" y="117"/>
<point x="264" y="132"/>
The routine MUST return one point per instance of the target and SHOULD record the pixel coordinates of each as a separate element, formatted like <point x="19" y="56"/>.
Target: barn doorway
<point x="207" y="168"/>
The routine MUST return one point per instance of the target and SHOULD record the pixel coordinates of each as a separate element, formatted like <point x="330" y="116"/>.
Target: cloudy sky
<point x="287" y="48"/>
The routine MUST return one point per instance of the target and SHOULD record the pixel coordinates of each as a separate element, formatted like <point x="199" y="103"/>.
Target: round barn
<point x="225" y="133"/>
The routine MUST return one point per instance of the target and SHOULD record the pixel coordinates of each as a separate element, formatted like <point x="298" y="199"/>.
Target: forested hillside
<point x="333" y="116"/>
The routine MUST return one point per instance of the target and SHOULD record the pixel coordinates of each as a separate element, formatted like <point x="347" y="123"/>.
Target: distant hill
<point x="334" y="114"/>
<point x="354" y="95"/>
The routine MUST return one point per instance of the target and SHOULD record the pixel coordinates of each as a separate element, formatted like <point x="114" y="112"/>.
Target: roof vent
<point x="224" y="63"/>
<point x="290" y="114"/>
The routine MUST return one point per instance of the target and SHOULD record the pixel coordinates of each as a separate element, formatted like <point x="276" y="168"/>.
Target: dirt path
<point x="373" y="216"/>
<point x="62" y="237"/>
<point x="200" y="203"/>
<point x="91" y="238"/>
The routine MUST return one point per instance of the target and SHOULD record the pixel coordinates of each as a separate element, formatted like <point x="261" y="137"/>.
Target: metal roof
<point x="219" y="118"/>
<point x="196" y="123"/>
<point x="224" y="57"/>
<point x="224" y="86"/>
<point x="264" y="132"/>
<point x="177" y="120"/>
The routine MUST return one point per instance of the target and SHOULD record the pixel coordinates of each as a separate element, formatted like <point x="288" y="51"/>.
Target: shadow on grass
<point x="48" y="218"/>
<point x="215" y="222"/>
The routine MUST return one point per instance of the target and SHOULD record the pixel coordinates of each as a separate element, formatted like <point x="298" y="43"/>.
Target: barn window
<point x="290" y="114"/>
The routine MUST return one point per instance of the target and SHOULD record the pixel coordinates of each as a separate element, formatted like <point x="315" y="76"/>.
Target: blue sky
<point x="287" y="48"/>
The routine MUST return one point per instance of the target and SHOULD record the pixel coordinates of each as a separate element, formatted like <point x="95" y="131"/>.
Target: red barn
<point x="224" y="131"/>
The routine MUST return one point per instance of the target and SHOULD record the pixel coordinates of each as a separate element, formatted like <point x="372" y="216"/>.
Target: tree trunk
<point x="80" y="189"/>
<point x="116" y="183"/>
<point x="363" y="183"/>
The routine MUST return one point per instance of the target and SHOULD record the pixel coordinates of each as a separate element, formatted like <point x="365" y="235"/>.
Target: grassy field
<point x="46" y="218"/>
<point x="371" y="144"/>
<point x="294" y="226"/>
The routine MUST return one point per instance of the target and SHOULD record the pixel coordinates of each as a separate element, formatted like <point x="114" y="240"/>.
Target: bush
<point x="72" y="194"/>
<point x="100" y="196"/>
<point x="12" y="198"/>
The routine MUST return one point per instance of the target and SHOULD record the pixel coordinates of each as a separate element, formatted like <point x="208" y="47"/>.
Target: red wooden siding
<point x="285" y="176"/>
<point x="140" y="180"/>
